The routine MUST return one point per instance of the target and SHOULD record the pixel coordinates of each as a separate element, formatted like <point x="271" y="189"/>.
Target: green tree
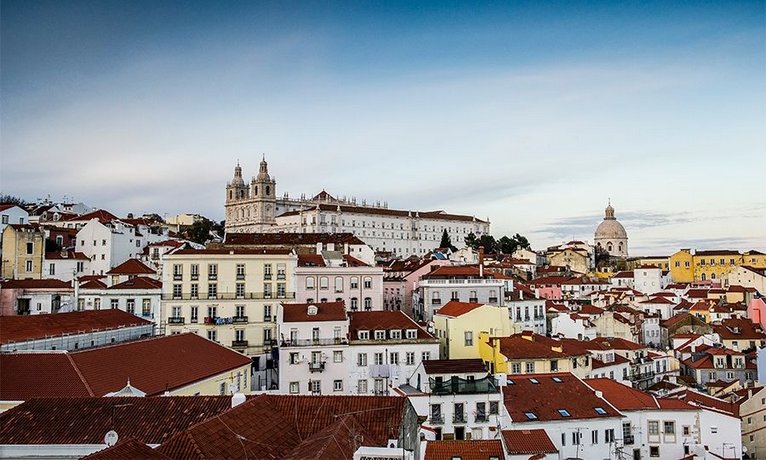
<point x="471" y="241"/>
<point x="10" y="199"/>
<point x="489" y="243"/>
<point x="447" y="241"/>
<point x="507" y="245"/>
<point x="199" y="232"/>
<point x="521" y="241"/>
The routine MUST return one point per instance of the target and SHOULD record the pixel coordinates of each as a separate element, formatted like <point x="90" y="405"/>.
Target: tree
<point x="447" y="241"/>
<point x="10" y="199"/>
<point x="199" y="232"/>
<point x="489" y="243"/>
<point x="507" y="245"/>
<point x="471" y="242"/>
<point x="521" y="242"/>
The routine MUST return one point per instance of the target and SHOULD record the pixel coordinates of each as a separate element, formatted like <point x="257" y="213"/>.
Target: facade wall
<point x="360" y="288"/>
<point x="528" y="315"/>
<point x="13" y="215"/>
<point x="459" y="336"/>
<point x="22" y="253"/>
<point x="83" y="340"/>
<point x="563" y="433"/>
<point x="433" y="293"/>
<point x="753" y="416"/>
<point x="394" y="371"/>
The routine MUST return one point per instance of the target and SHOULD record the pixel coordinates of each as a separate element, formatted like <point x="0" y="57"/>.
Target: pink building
<point x="756" y="311"/>
<point x="401" y="280"/>
<point x="33" y="297"/>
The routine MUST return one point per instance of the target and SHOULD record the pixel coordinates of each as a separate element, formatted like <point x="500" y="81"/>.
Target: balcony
<point x="280" y="276"/>
<point x="436" y="419"/>
<point x="176" y="320"/>
<point x="473" y="300"/>
<point x="227" y="296"/>
<point x="492" y="300"/>
<point x="239" y="319"/>
<point x="177" y="277"/>
<point x="316" y="367"/>
<point x="313" y="342"/>
<point x="194" y="276"/>
<point x="210" y="319"/>
<point x="436" y="301"/>
<point x="267" y="318"/>
<point x="267" y="276"/>
<point x="628" y="440"/>
<point x="456" y="385"/>
<point x="240" y="276"/>
<point x="212" y="276"/>
<point x="239" y="344"/>
<point x="458" y="418"/>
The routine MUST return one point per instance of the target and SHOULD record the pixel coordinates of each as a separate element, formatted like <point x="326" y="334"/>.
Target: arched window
<point x="619" y="247"/>
<point x="324" y="282"/>
<point x="712" y="276"/>
<point x="338" y="284"/>
<point x="609" y="247"/>
<point x="703" y="277"/>
<point x="309" y="282"/>
<point x="354" y="304"/>
<point x="368" y="282"/>
<point x="268" y="190"/>
<point x="368" y="303"/>
<point x="256" y="190"/>
<point x="354" y="282"/>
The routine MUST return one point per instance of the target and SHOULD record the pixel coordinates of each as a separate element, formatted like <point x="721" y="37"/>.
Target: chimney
<point x="481" y="261"/>
<point x="237" y="399"/>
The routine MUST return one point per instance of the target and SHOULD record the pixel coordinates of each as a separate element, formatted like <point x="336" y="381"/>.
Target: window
<point x="194" y="290"/>
<point x="211" y="335"/>
<point x="354" y="282"/>
<point x="361" y="386"/>
<point x="654" y="451"/>
<point x="337" y="385"/>
<point x="378" y="358"/>
<point x="609" y="435"/>
<point x="563" y="437"/>
<point x="194" y="314"/>
<point x="309" y="282"/>
<point x="212" y="271"/>
<point x="176" y="291"/>
<point x="114" y="303"/>
<point x="654" y="428"/>
<point x="531" y="416"/>
<point x="324" y="282"/>
<point x="576" y="438"/>
<point x="361" y="359"/>
<point x="368" y="303"/>
<point x="30" y="248"/>
<point x="669" y="427"/>
<point x="425" y="356"/>
<point x="494" y="407"/>
<point x="380" y="335"/>
<point x="394" y="358"/>
<point x="240" y="271"/>
<point x="600" y="410"/>
<point x="52" y="269"/>
<point x="515" y="368"/>
<point x="338" y="284"/>
<point x="530" y="367"/>
<point x="367" y="282"/>
<point x="194" y="272"/>
<point x="594" y="436"/>
<point x="686" y="430"/>
<point x="212" y="290"/>
<point x="29" y="265"/>
<point x="294" y="358"/>
<point x="410" y="358"/>
<point x="468" y="338"/>
<point x="294" y="387"/>
<point x="240" y="290"/>
<point x="563" y="412"/>
<point x="412" y="334"/>
<point x="130" y="306"/>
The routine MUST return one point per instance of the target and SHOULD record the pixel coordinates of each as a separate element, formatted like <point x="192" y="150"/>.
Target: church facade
<point x="254" y="207"/>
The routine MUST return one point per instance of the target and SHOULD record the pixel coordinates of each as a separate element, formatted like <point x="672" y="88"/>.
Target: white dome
<point x="610" y="229"/>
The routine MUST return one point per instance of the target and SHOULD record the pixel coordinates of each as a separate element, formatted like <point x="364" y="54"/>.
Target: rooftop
<point x="464" y="450"/>
<point x="455" y="308"/>
<point x="31" y="327"/>
<point x="302" y="312"/>
<point x="522" y="442"/>
<point x="384" y="320"/>
<point x="454" y="366"/>
<point x="131" y="267"/>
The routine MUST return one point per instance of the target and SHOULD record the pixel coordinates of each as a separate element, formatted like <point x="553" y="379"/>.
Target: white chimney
<point x="237" y="399"/>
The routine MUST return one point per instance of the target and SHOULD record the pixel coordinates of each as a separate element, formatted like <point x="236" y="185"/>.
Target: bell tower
<point x="264" y="197"/>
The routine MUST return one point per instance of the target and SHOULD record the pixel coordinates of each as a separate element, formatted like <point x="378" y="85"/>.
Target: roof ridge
<point x="79" y="374"/>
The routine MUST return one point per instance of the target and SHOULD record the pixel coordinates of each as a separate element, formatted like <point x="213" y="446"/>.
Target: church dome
<point x="610" y="228"/>
<point x="238" y="181"/>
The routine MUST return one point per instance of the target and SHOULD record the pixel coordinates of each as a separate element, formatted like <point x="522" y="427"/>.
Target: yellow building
<point x="576" y="259"/>
<point x="229" y="296"/>
<point x="714" y="265"/>
<point x="458" y="326"/>
<point x="530" y="353"/>
<point x="755" y="259"/>
<point x="682" y="266"/>
<point x="23" y="249"/>
<point x="662" y="262"/>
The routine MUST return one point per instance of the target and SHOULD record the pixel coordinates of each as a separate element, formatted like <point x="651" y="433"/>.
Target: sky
<point x="531" y="114"/>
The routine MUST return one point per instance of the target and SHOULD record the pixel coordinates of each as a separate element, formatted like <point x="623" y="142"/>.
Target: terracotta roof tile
<point x="465" y="450"/>
<point x="30" y="327"/>
<point x="130" y="449"/>
<point x="36" y="284"/>
<point x="86" y="420"/>
<point x="41" y="375"/>
<point x="455" y="308"/>
<point x="518" y="442"/>
<point x="232" y="251"/>
<point x="310" y="260"/>
<point x="131" y="267"/>
<point x="383" y="320"/>
<point x="552" y="393"/>
<point x="65" y="255"/>
<point x="139" y="282"/>
<point x="99" y="214"/>
<point x="328" y="311"/>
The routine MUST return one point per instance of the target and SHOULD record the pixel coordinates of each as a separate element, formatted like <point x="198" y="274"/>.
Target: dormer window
<point x="397" y="334"/>
<point x="412" y="333"/>
<point x="312" y="310"/>
<point x="380" y="335"/>
<point x="363" y="335"/>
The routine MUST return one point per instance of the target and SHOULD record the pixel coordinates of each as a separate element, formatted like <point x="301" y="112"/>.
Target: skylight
<point x="564" y="412"/>
<point x="535" y="381"/>
<point x="511" y="382"/>
<point x="600" y="410"/>
<point x="531" y="415"/>
<point x="557" y="379"/>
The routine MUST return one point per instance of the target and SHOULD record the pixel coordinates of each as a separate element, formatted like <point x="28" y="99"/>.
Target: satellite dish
<point x="111" y="438"/>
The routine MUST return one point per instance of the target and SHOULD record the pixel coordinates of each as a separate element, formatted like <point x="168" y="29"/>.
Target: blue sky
<point x="531" y="114"/>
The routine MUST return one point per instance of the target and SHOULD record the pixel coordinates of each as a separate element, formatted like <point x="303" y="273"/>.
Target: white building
<point x="331" y="276"/>
<point x="526" y="309"/>
<point x="256" y="208"/>
<point x="109" y="243"/>
<point x="385" y="349"/>
<point x="65" y="265"/>
<point x="139" y="296"/>
<point x="313" y="348"/>
<point x="573" y="326"/>
<point x="11" y="214"/>
<point x="458" y="397"/>
<point x="465" y="283"/>
<point x="650" y="279"/>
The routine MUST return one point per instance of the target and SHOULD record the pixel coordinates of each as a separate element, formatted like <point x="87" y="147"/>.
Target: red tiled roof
<point x="352" y="261"/>
<point x="36" y="284"/>
<point x="100" y="214"/>
<point x="618" y="359"/>
<point x="156" y="364"/>
<point x="657" y="300"/>
<point x="40" y="375"/>
<point x="465" y="450"/>
<point x="519" y="442"/>
<point x="455" y="308"/>
<point x="290" y="239"/>
<point x="739" y="329"/>
<point x="545" y="398"/>
<point x="454" y="366"/>
<point x="93" y="284"/>
<point x="310" y="260"/>
<point x="86" y="420"/>
<point x="383" y="320"/>
<point x="614" y="343"/>
<point x="338" y="440"/>
<point x="624" y="397"/>
<point x="30" y="327"/>
<point x="518" y="347"/>
<point x="234" y="251"/>
<point x="129" y="449"/>
<point x="717" y="252"/>
<point x="139" y="282"/>
<point x="64" y="255"/>
<point x="699" y="399"/>
<point x="289" y="425"/>
<point x="328" y="311"/>
<point x="131" y="267"/>
<point x="4" y="206"/>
